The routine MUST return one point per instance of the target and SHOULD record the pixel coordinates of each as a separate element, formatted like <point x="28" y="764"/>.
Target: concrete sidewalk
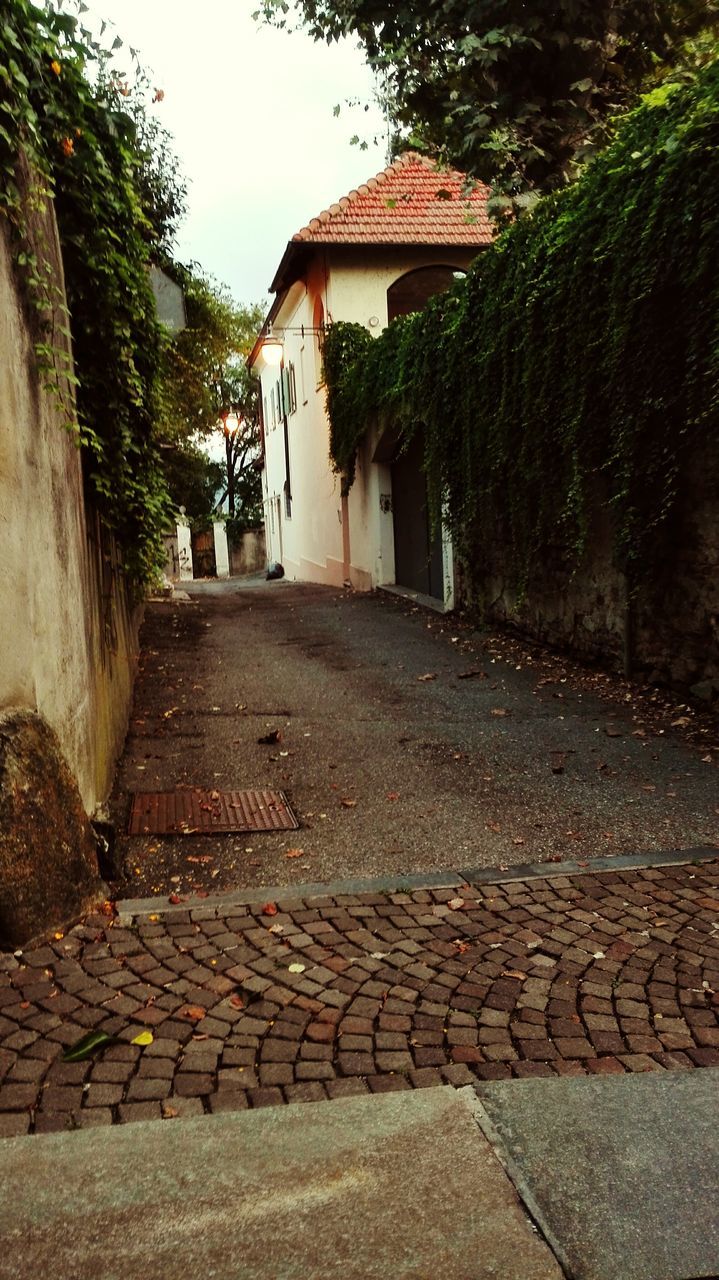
<point x="365" y="1189"/>
<point x="620" y="1176"/>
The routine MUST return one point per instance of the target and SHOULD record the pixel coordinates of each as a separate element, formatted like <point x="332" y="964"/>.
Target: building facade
<point x="381" y="252"/>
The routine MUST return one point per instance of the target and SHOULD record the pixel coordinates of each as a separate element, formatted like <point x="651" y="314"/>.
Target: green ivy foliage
<point x="67" y="132"/>
<point x="579" y="356"/>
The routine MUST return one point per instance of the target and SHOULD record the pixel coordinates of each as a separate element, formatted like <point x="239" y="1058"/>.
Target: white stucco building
<point x="382" y="251"/>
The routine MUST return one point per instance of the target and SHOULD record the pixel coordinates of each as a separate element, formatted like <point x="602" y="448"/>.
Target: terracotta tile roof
<point x="411" y="202"/>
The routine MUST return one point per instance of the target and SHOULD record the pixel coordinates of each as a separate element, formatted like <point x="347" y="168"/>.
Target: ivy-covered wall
<point x="568" y="390"/>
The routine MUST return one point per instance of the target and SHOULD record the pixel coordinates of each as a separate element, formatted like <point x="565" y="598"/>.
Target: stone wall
<point x="68" y="633"/>
<point x="669" y="633"/>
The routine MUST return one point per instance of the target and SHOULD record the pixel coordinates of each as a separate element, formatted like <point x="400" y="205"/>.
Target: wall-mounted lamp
<point x="272" y="349"/>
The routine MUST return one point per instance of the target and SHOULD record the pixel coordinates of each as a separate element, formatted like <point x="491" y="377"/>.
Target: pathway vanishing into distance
<point x="407" y="743"/>
<point x="481" y="890"/>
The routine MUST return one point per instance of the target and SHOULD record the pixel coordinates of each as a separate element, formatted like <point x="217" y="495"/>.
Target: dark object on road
<point x="274" y="570"/>
<point x="271" y="738"/>
<point x="198" y="812"/>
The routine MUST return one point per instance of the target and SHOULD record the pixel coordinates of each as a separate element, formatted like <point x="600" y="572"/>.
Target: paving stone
<point x="146" y="1090"/>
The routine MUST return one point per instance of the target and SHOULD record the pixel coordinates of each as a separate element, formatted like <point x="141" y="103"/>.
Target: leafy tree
<point x="208" y="388"/>
<point x="193" y="478"/>
<point x="514" y="92"/>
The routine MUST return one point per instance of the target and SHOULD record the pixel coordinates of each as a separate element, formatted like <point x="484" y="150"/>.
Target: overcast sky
<point x="251" y="110"/>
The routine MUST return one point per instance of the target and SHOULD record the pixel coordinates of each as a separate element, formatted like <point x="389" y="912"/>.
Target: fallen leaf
<point x="499" y="711"/>
<point x="276" y="928"/>
<point x="199" y="857"/>
<point x="168" y="1112"/>
<point x="428" y="675"/>
<point x="517" y="839"/>
<point x="294" y="853"/>
<point x="193" y="1012"/>
<point x="269" y="909"/>
<point x="681" y="722"/>
<point x="237" y="1002"/>
<point x="513" y="973"/>
<point x="296" y="968"/>
<point x="145" y="1037"/>
<point x="461" y="947"/>
<point x="347" y="803"/>
<point x="494" y="826"/>
<point x="393" y="795"/>
<point x="87" y="1045"/>
<point x="174" y="898"/>
<point x="455" y="904"/>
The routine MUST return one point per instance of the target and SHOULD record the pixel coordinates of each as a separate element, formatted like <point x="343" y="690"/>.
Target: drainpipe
<point x="346" y="551"/>
<point x="285" y="429"/>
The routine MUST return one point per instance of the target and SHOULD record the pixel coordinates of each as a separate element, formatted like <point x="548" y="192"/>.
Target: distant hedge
<point x="584" y="342"/>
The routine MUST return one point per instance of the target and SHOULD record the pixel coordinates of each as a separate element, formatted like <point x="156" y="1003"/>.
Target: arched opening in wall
<point x="415" y="288"/>
<point x="417" y="546"/>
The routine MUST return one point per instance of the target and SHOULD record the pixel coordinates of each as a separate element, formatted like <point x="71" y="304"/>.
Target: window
<point x="303" y="383"/>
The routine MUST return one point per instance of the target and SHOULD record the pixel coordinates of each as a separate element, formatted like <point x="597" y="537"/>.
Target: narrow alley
<point x="406" y="743"/>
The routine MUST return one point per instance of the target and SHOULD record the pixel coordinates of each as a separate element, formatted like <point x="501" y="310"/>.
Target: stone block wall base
<point x="48" y="861"/>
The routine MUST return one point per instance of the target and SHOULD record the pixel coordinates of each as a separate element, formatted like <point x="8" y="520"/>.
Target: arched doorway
<point x="414" y="289"/>
<point x="418" y="559"/>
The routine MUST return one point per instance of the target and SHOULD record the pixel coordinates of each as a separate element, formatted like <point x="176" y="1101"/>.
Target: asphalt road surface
<point x="408" y="743"/>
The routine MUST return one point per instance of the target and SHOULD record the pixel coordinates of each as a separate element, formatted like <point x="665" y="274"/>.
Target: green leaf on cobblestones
<point x="87" y="1045"/>
<point x="145" y="1037"/>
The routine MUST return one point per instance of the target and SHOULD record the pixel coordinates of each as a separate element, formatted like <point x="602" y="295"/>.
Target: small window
<point x="303" y="391"/>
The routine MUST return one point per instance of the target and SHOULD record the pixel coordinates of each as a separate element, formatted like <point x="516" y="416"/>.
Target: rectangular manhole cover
<point x="191" y="813"/>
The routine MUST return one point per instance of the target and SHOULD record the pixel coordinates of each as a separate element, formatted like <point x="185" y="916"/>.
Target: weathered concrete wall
<point x="249" y="554"/>
<point x="68" y="635"/>
<point x="673" y="625"/>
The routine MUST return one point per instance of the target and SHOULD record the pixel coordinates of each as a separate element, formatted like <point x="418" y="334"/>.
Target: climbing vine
<point x="577" y="360"/>
<point x="73" y="132"/>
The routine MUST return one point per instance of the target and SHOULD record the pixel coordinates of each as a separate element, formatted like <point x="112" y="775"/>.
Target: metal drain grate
<point x="200" y="812"/>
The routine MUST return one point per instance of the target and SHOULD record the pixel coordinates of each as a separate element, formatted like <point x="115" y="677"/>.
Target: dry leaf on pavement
<point x="192" y="1012"/>
<point x="269" y="909"/>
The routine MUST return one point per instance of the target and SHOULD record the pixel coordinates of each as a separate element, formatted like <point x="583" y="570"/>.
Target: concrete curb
<point x="427" y="880"/>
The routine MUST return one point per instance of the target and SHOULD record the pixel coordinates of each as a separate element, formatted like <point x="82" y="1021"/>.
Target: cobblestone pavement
<point x="336" y="995"/>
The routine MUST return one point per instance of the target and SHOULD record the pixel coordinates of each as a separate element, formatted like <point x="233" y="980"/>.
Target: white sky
<point x="251" y="110"/>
